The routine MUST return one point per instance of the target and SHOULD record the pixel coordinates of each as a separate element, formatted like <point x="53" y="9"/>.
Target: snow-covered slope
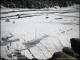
<point x="60" y="24"/>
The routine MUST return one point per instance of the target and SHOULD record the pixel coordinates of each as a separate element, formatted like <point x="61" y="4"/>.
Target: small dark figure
<point x="8" y="47"/>
<point x="7" y="20"/>
<point x="13" y="22"/>
<point x="47" y="17"/>
<point x="4" y="38"/>
<point x="10" y="43"/>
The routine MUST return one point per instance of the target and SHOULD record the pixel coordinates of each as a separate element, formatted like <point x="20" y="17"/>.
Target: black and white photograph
<point x="39" y="30"/>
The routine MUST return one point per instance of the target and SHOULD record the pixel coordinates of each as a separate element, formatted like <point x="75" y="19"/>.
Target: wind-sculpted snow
<point x="45" y="32"/>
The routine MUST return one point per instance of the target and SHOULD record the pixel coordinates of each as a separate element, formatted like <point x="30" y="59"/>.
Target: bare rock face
<point x="75" y="45"/>
<point x="68" y="51"/>
<point x="60" y="55"/>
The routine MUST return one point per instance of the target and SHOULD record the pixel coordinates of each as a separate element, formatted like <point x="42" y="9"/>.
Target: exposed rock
<point x="10" y="56"/>
<point x="21" y="57"/>
<point x="60" y="55"/>
<point x="68" y="51"/>
<point x="75" y="45"/>
<point x="77" y="55"/>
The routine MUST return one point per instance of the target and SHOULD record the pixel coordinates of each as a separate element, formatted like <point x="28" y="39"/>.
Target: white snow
<point x="29" y="28"/>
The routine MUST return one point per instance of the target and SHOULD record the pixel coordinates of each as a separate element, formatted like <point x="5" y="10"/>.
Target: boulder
<point x="60" y="55"/>
<point x="75" y="45"/>
<point x="77" y="55"/>
<point x="68" y="51"/>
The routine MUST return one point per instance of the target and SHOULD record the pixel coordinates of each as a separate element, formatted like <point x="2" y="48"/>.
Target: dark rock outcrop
<point x="68" y="51"/>
<point x="75" y="45"/>
<point x="60" y="55"/>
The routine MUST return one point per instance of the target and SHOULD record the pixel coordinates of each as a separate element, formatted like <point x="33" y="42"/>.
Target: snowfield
<point x="59" y="24"/>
